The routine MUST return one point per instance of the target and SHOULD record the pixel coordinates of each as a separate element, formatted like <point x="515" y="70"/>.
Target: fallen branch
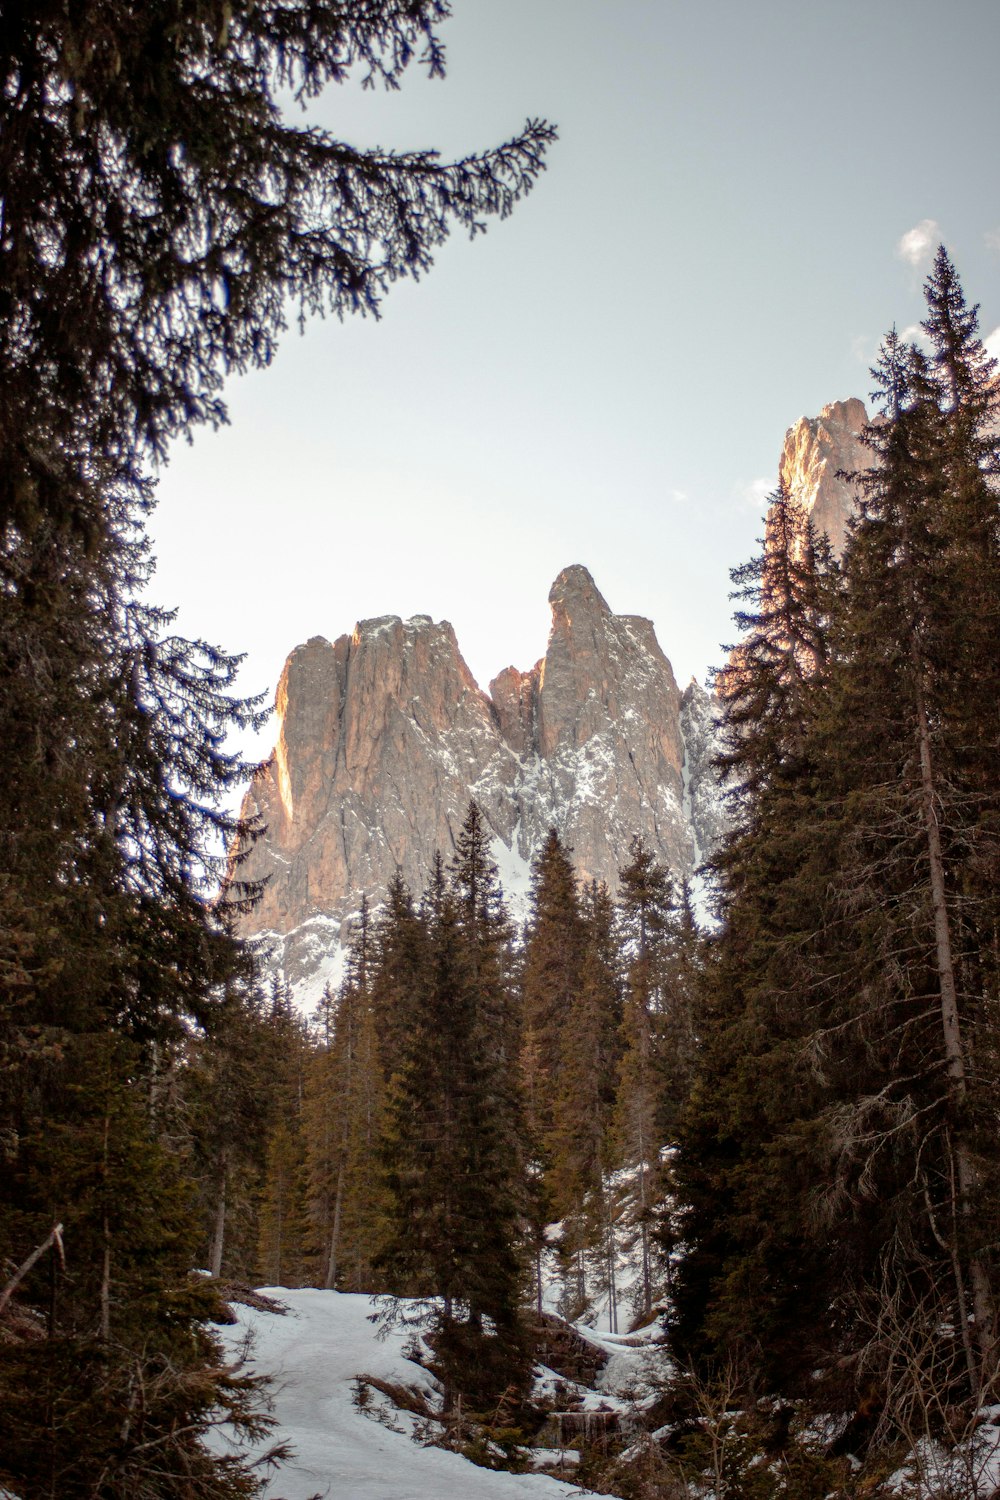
<point x="53" y="1238"/>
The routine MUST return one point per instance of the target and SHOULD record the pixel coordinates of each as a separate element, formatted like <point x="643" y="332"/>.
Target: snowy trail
<point x="314" y="1352"/>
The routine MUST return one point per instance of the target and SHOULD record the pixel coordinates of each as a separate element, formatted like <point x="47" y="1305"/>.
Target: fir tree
<point x="551" y="980"/>
<point x="343" y="1115"/>
<point x="752" y="1276"/>
<point x="453" y="1137"/>
<point x="649" y="1073"/>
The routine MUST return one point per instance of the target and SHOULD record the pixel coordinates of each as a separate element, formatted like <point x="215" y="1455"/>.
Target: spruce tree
<point x="551" y="976"/>
<point x="752" y="1275"/>
<point x="226" y="1081"/>
<point x="343" y="1119"/>
<point x="838" y="1155"/>
<point x="650" y="1069"/>
<point x="141" y="260"/>
<point x="916" y="686"/>
<point x="453" y="1147"/>
<point x="108" y="825"/>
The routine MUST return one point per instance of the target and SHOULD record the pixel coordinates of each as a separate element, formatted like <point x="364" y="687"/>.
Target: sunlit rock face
<point x="607" y="754"/>
<point x="816" y="450"/>
<point x="384" y="737"/>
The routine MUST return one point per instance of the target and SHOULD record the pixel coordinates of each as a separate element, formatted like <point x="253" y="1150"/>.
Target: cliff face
<point x="605" y="757"/>
<point x="815" y="450"/>
<point x="383" y="738"/>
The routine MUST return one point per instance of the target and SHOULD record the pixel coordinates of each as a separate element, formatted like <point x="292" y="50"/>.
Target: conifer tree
<point x="110" y="949"/>
<point x="183" y="211"/>
<point x="158" y="213"/>
<point x="752" y="1275"/>
<point x="227" y="1086"/>
<point x="651" y="1069"/>
<point x="343" y="1118"/>
<point x="453" y="1137"/>
<point x="592" y="1045"/>
<point x="551" y="984"/>
<point x="847" y="1061"/>
<point x="551" y="977"/>
<point x="917" y="685"/>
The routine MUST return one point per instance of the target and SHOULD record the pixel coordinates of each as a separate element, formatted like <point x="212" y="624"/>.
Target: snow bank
<point x="314" y="1354"/>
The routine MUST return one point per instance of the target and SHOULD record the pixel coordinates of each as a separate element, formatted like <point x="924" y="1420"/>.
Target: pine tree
<point x="453" y="1135"/>
<point x="752" y="1275"/>
<point x="917" y="685"/>
<point x="551" y="977"/>
<point x="343" y="1114"/>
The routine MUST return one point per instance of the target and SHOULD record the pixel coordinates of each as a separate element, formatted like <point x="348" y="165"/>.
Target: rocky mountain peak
<point x="816" y="451"/>
<point x="575" y="593"/>
<point x="384" y="736"/>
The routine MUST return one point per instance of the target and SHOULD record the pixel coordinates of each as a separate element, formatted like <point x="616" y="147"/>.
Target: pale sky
<point x="743" y="198"/>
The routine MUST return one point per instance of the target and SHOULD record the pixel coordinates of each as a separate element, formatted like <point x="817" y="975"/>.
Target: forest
<point x="783" y="1119"/>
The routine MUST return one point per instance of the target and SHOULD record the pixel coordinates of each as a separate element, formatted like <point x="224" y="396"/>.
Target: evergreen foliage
<point x="453" y="1148"/>
<point x="752" y="1276"/>
<point x="655" y="1053"/>
<point x="838" y="1155"/>
<point x="159" y="215"/>
<point x="343" y="1125"/>
<point x="551" y="982"/>
<point x="230" y="1106"/>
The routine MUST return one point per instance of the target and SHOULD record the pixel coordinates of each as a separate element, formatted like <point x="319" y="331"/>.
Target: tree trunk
<point x="219" y="1232"/>
<point x="331" y="1263"/>
<point x="965" y="1172"/>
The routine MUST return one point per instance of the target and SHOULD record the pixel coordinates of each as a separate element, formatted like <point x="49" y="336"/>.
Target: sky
<point x="742" y="199"/>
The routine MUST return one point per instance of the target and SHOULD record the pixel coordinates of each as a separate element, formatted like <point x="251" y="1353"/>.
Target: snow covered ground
<point x="314" y="1354"/>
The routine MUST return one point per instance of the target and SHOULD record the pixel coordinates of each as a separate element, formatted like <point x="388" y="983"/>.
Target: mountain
<point x="817" y="451"/>
<point x="384" y="737"/>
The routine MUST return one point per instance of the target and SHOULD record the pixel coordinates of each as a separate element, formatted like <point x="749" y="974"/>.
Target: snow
<point x="515" y="875"/>
<point x="315" y="1352"/>
<point x="326" y="1340"/>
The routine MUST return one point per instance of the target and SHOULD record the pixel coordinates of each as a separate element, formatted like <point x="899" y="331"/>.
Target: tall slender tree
<point x="453" y="1143"/>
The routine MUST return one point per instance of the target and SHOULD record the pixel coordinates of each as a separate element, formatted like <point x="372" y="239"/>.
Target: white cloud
<point x="918" y="244"/>
<point x="992" y="342"/>
<point x="992" y="238"/>
<point x="755" y="493"/>
<point x="863" y="348"/>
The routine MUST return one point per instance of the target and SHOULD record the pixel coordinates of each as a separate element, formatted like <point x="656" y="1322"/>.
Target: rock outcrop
<point x="383" y="738"/>
<point x="606" y="755"/>
<point x="816" y="450"/>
